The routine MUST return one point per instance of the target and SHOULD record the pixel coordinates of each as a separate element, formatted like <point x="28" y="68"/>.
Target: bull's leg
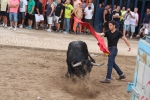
<point x="69" y="71"/>
<point x="66" y="75"/>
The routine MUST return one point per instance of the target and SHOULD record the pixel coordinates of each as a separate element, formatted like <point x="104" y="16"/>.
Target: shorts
<point x="56" y="19"/>
<point x="132" y="27"/>
<point x="39" y="18"/>
<point x="78" y="25"/>
<point x="21" y="15"/>
<point x="13" y="17"/>
<point x="49" y="20"/>
<point x="30" y="16"/>
<point x="90" y="21"/>
<point x="4" y="13"/>
<point x="126" y="27"/>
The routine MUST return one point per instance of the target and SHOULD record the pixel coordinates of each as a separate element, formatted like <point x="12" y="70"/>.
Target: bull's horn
<point x="97" y="64"/>
<point x="77" y="64"/>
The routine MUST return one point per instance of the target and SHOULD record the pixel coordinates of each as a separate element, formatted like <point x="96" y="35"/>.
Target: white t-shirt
<point x="89" y="13"/>
<point x="127" y="18"/>
<point x="22" y="5"/>
<point x="145" y="31"/>
<point x="133" y="21"/>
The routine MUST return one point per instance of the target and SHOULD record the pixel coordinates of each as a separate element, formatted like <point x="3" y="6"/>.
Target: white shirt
<point x="127" y="18"/>
<point x="22" y="6"/>
<point x="133" y="20"/>
<point x="89" y="13"/>
<point x="145" y="31"/>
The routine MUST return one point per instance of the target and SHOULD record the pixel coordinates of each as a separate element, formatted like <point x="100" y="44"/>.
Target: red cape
<point x="100" y="40"/>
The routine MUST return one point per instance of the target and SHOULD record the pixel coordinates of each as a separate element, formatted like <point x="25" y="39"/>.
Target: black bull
<point x="78" y="59"/>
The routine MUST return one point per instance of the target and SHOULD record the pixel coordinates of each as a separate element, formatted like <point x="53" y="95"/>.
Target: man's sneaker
<point x="5" y="26"/>
<point x="15" y="29"/>
<point x="20" y="26"/>
<point x="10" y="28"/>
<point x="65" y="32"/>
<point x="29" y="27"/>
<point x="57" y="30"/>
<point x="121" y="77"/>
<point x="48" y="30"/>
<point x="60" y="31"/>
<point x="105" y="81"/>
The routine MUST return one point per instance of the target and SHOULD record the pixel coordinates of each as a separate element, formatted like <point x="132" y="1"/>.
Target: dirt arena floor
<point x="27" y="74"/>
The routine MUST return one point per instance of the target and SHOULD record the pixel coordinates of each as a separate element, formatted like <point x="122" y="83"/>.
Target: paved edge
<point x="47" y="49"/>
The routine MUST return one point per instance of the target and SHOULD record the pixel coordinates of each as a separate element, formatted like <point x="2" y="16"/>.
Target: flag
<point x="100" y="40"/>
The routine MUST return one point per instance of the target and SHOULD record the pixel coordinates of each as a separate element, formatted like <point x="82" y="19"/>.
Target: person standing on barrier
<point x="113" y="35"/>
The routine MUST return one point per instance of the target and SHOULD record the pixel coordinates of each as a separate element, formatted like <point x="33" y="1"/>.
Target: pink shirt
<point x="13" y="2"/>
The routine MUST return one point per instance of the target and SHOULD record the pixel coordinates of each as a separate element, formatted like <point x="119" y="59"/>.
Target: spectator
<point x="63" y="1"/>
<point x="50" y="14"/>
<point x="91" y="1"/>
<point x="146" y="18"/>
<point x="106" y="17"/>
<point x="117" y="16"/>
<point x="4" y="13"/>
<point x="22" y="13"/>
<point x="88" y="12"/>
<point x="83" y="4"/>
<point x="58" y="15"/>
<point x="30" y="14"/>
<point x="134" y="22"/>
<point x="79" y="14"/>
<point x="44" y="13"/>
<point x="122" y="19"/>
<point x="38" y="13"/>
<point x="100" y="6"/>
<point x="122" y="12"/>
<point x="115" y="7"/>
<point x="143" y="32"/>
<point x="127" y="16"/>
<point x="13" y="13"/>
<point x="75" y="4"/>
<point x="68" y="12"/>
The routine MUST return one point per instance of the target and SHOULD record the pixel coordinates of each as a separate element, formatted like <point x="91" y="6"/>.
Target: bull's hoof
<point x="66" y="75"/>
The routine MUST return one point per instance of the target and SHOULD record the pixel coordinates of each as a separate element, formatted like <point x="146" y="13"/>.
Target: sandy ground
<point x="27" y="74"/>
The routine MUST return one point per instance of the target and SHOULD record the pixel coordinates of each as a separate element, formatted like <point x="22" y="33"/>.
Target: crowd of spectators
<point x="49" y="14"/>
<point x="126" y="20"/>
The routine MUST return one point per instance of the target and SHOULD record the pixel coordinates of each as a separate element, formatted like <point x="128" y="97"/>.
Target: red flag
<point x="100" y="40"/>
